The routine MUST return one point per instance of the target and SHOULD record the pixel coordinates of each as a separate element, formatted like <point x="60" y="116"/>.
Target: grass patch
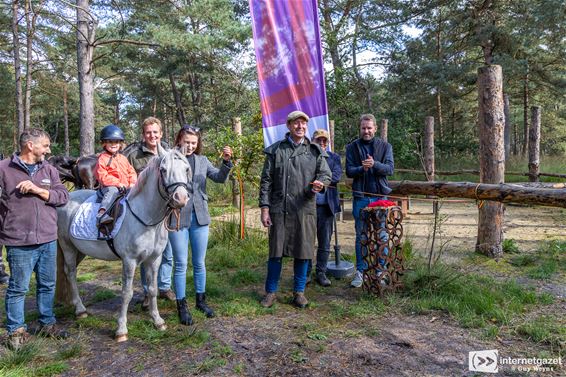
<point x="241" y="307"/>
<point x="146" y="331"/>
<point x="227" y="251"/>
<point x="546" y="263"/>
<point x="70" y="351"/>
<point x="523" y="260"/>
<point x="246" y="277"/>
<point x="86" y="277"/>
<point x="473" y="300"/>
<point x="188" y="337"/>
<point x="95" y="322"/>
<point x="510" y="246"/>
<point x="19" y="371"/>
<point x="367" y="306"/>
<point x="21" y="357"/>
<point x="103" y="294"/>
<point x="544" y="329"/>
<point x="208" y="365"/>
<point x="52" y="369"/>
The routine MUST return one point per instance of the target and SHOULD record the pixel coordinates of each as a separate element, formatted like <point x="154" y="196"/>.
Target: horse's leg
<point x="71" y="256"/>
<point x="151" y="267"/>
<point x="128" y="271"/>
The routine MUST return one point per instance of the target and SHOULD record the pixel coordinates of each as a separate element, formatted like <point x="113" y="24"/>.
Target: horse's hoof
<point x="161" y="327"/>
<point x="82" y="315"/>
<point x="121" y="338"/>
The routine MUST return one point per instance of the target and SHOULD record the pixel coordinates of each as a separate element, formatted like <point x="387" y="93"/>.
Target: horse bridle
<point x="166" y="192"/>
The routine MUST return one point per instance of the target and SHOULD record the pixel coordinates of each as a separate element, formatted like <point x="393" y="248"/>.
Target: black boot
<point x="201" y="305"/>
<point x="184" y="315"/>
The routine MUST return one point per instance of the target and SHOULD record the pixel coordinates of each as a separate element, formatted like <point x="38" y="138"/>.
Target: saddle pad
<point x="83" y="225"/>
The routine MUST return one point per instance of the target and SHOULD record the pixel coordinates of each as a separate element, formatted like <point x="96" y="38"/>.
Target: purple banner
<point x="289" y="64"/>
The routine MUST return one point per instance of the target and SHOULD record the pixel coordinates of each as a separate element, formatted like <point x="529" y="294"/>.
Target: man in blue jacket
<point x="327" y="205"/>
<point x="369" y="160"/>
<point x="30" y="189"/>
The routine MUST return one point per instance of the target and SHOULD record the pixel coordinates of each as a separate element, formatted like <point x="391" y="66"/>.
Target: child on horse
<point x="113" y="171"/>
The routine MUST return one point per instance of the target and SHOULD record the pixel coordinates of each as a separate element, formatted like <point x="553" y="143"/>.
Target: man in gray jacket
<point x="30" y="189"/>
<point x="294" y="171"/>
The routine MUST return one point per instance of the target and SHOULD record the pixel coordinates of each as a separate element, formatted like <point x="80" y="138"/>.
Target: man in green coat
<point x="294" y="171"/>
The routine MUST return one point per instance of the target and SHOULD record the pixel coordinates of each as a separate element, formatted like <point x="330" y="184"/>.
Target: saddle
<point x="114" y="212"/>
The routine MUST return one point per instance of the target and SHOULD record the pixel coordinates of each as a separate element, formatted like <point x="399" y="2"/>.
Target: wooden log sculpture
<point x="381" y="249"/>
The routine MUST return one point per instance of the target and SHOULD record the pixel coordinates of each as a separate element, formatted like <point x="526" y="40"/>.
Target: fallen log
<point x="504" y="193"/>
<point x="475" y="172"/>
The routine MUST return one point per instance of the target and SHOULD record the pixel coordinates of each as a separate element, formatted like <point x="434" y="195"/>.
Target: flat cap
<point x="320" y="133"/>
<point x="296" y="115"/>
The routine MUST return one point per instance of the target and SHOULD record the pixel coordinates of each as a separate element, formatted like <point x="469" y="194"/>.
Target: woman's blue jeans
<point x="357" y="206"/>
<point x="274" y="265"/>
<point x="197" y="235"/>
<point x="23" y="260"/>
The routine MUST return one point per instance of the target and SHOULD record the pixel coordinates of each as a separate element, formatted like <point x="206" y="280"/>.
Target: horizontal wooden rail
<point x="505" y="193"/>
<point x="475" y="172"/>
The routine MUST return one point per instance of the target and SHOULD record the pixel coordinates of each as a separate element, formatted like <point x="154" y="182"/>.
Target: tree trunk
<point x="525" y="114"/>
<point x="30" y="23"/>
<point x="492" y="157"/>
<point x="428" y="148"/>
<point x="384" y="129"/>
<point x="438" y="94"/>
<point x="515" y="139"/>
<point x="86" y="27"/>
<point x="504" y="193"/>
<point x="507" y="132"/>
<point x="17" y="70"/>
<point x="178" y="105"/>
<point x="66" y="120"/>
<point x="534" y="144"/>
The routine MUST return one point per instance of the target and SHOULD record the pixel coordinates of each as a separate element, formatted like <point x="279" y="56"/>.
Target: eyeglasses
<point x="187" y="127"/>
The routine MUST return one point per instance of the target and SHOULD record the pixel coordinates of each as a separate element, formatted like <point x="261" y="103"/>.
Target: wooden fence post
<point x="383" y="129"/>
<point x="492" y="157"/>
<point x="534" y="144"/>
<point x="237" y="128"/>
<point x="428" y="157"/>
<point x="331" y="132"/>
<point x="428" y="148"/>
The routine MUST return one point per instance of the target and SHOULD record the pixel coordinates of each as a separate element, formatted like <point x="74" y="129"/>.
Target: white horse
<point x="161" y="188"/>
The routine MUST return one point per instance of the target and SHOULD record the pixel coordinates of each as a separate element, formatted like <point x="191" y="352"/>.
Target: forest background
<point x="192" y="62"/>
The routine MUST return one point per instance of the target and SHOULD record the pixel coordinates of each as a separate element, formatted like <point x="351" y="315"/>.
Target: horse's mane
<point x="152" y="169"/>
<point x="147" y="172"/>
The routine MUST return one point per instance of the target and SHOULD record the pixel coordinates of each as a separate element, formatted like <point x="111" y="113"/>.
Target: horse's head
<point x="175" y="174"/>
<point x="64" y="166"/>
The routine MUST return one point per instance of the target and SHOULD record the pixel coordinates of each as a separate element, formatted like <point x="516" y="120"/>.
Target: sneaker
<point x="299" y="300"/>
<point x="168" y="294"/>
<point x="17" y="339"/>
<point x="358" y="280"/>
<point x="268" y="300"/>
<point x="321" y="279"/>
<point x="51" y="331"/>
